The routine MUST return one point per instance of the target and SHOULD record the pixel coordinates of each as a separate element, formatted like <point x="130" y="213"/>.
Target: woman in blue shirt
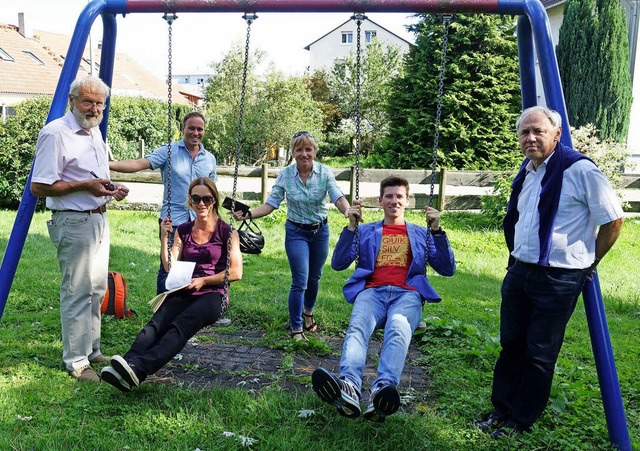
<point x="305" y="186"/>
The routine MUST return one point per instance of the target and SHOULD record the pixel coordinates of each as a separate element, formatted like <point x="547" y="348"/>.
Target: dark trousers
<point x="537" y="303"/>
<point x="175" y="322"/>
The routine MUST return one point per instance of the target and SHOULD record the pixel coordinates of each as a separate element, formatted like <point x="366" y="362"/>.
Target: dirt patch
<point x="238" y="360"/>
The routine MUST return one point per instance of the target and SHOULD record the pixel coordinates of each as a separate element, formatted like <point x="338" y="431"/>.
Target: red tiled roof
<point x="25" y="76"/>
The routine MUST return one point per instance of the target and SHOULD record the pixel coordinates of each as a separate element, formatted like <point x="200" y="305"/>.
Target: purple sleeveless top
<point x="210" y="257"/>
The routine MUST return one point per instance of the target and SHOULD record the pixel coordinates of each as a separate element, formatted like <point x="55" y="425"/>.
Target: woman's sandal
<point x="298" y="335"/>
<point x="313" y="327"/>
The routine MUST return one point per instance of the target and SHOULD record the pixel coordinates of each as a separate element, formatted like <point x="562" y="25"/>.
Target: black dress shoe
<point x="508" y="429"/>
<point x="491" y="421"/>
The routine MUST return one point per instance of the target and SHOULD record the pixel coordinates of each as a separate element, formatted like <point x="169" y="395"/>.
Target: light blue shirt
<point x="305" y="202"/>
<point x="587" y="201"/>
<point x="184" y="170"/>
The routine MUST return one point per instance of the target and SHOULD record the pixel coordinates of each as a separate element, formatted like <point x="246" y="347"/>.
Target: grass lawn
<point x="42" y="408"/>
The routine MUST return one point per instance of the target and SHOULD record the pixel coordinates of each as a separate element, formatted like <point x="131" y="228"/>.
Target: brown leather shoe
<point x="85" y="374"/>
<point x="101" y="359"/>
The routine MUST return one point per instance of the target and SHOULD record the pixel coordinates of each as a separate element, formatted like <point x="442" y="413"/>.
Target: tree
<point x="222" y="94"/>
<point x="576" y="61"/>
<point x="593" y="57"/>
<point x="379" y="66"/>
<point x="613" y="79"/>
<point x="275" y="107"/>
<point x="481" y="97"/>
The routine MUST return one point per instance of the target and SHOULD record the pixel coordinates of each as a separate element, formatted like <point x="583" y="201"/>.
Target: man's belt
<point x="100" y="209"/>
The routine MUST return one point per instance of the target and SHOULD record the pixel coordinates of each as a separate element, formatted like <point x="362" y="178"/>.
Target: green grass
<point x="42" y="408"/>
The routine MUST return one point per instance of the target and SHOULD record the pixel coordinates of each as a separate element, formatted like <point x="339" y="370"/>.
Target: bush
<point x="494" y="207"/>
<point x="134" y="118"/>
<point x="18" y="136"/>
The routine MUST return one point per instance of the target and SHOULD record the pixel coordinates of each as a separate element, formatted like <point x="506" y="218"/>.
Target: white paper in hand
<point x="180" y="274"/>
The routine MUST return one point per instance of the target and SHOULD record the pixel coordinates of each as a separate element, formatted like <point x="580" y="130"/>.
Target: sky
<point x="198" y="38"/>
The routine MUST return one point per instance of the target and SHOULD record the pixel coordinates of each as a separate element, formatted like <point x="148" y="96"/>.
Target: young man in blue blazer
<point x="387" y="290"/>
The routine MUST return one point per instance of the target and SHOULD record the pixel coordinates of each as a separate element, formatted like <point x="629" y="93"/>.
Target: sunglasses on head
<point x="195" y="199"/>
<point x="303" y="133"/>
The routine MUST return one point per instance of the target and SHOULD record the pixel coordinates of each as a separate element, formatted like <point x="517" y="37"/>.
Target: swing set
<point x="534" y="42"/>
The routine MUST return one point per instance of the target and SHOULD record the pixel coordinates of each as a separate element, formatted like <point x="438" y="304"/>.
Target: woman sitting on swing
<point x="184" y="312"/>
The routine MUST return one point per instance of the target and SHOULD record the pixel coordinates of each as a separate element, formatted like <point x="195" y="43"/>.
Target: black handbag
<point x="251" y="239"/>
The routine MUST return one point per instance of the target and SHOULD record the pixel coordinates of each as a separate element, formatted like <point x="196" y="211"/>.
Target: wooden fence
<point x="452" y="190"/>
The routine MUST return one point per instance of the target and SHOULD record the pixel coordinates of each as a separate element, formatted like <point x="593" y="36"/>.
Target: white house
<point x="193" y="80"/>
<point x="334" y="46"/>
<point x="555" y="11"/>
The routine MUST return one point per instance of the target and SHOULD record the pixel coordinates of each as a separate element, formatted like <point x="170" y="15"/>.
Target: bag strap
<point x="250" y="225"/>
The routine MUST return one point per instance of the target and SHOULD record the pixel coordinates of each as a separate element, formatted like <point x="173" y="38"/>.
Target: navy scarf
<point x="562" y="158"/>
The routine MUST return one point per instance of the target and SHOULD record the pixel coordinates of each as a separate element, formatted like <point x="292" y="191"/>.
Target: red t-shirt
<point x="394" y="259"/>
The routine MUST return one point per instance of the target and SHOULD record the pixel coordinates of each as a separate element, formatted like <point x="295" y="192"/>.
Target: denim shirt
<point x="184" y="170"/>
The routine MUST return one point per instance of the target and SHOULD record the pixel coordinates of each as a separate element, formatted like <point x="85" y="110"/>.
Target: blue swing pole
<point x="605" y="365"/>
<point x="535" y="24"/>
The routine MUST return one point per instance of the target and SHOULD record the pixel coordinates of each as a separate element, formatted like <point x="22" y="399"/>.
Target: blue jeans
<point x="537" y="303"/>
<point x="307" y="251"/>
<point x="396" y="309"/>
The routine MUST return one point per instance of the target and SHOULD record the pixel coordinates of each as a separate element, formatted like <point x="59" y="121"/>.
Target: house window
<point x="33" y="57"/>
<point x="186" y="80"/>
<point x="369" y="35"/>
<point x="200" y="81"/>
<point x="347" y="37"/>
<point x="6" y="111"/>
<point x="4" y="55"/>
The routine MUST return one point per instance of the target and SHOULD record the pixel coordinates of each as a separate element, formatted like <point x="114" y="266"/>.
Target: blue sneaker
<point x="341" y="394"/>
<point x="384" y="401"/>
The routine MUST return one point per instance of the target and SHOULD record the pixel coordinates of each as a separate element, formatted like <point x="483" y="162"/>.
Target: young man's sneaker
<point x="85" y="374"/>
<point x="384" y="401"/>
<point x="125" y="371"/>
<point x="339" y="393"/>
<point x="111" y="377"/>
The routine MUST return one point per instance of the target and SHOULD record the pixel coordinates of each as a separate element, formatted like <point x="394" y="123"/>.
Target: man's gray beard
<point x="85" y="123"/>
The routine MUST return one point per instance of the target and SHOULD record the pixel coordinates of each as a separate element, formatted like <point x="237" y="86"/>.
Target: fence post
<point x="141" y="147"/>
<point x="265" y="178"/>
<point x="441" y="185"/>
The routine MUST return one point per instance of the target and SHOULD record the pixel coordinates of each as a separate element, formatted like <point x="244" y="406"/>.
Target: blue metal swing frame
<point x="534" y="35"/>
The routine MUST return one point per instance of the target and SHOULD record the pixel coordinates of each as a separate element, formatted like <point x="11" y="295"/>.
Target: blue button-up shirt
<point x="184" y="170"/>
<point x="305" y="202"/>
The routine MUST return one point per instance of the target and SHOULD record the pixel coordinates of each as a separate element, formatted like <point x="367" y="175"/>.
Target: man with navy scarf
<point x="562" y="218"/>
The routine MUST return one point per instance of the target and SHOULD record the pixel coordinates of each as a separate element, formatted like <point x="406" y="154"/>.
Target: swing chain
<point x="170" y="18"/>
<point x="446" y="22"/>
<point x="249" y="18"/>
<point x="359" y="18"/>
